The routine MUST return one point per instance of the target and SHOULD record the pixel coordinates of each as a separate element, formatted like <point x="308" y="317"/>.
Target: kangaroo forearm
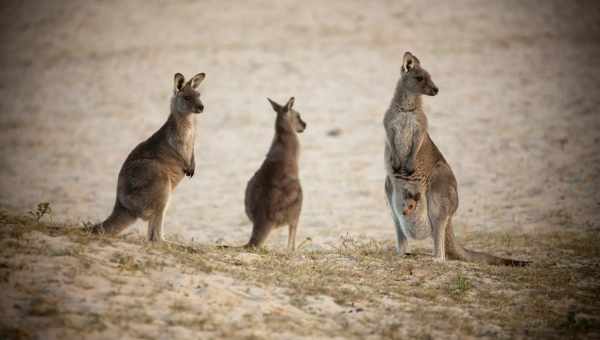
<point x="190" y="168"/>
<point x="393" y="160"/>
<point x="394" y="156"/>
<point x="417" y="141"/>
<point x="410" y="163"/>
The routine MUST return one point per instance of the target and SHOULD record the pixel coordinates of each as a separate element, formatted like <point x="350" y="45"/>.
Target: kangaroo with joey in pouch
<point x="412" y="158"/>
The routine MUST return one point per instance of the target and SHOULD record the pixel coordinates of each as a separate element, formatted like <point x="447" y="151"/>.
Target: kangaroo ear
<point x="409" y="61"/>
<point x="275" y="106"/>
<point x="196" y="80"/>
<point x="289" y="104"/>
<point x="179" y="80"/>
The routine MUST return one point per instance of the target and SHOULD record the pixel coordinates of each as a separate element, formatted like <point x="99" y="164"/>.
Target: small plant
<point x="507" y="240"/>
<point x="42" y="210"/>
<point x="126" y="262"/>
<point x="576" y="323"/>
<point x="87" y="225"/>
<point x="460" y="285"/>
<point x="3" y="216"/>
<point x="72" y="251"/>
<point x="178" y="306"/>
<point x="350" y="246"/>
<point x="42" y="307"/>
<point x="304" y="243"/>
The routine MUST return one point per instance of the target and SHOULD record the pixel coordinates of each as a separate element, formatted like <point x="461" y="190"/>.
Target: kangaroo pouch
<point x="414" y="224"/>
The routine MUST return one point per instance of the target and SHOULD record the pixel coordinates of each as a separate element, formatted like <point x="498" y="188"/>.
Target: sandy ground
<point x="81" y="83"/>
<point x="58" y="282"/>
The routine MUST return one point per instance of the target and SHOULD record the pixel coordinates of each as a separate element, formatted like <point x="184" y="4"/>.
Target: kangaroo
<point x="409" y="212"/>
<point x="155" y="167"/>
<point x="412" y="156"/>
<point x="410" y="200"/>
<point x="273" y="194"/>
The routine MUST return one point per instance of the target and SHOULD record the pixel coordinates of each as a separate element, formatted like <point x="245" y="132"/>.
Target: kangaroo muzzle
<point x="432" y="90"/>
<point x="302" y="127"/>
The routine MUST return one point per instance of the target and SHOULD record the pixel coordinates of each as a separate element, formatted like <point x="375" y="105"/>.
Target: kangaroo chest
<point x="403" y="127"/>
<point x="182" y="140"/>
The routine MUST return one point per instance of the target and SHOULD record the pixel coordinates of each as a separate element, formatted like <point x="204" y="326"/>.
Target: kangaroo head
<point x="411" y="199"/>
<point x="186" y="97"/>
<point x="288" y="119"/>
<point x="415" y="78"/>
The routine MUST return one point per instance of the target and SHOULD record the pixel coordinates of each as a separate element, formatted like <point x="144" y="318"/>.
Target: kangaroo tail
<point x="119" y="219"/>
<point x="456" y="251"/>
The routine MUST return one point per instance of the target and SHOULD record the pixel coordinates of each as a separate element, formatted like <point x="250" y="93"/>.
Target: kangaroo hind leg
<point x="159" y="209"/>
<point x="119" y="219"/>
<point x="401" y="237"/>
<point x="260" y="231"/>
<point x="292" y="235"/>
<point x="442" y="202"/>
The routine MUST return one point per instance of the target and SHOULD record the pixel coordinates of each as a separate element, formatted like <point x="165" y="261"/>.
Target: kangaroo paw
<point x="403" y="173"/>
<point x="189" y="172"/>
<point x="403" y="176"/>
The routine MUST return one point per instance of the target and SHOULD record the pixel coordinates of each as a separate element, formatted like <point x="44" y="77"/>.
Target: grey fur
<point x="274" y="194"/>
<point x="155" y="167"/>
<point x="413" y="162"/>
<point x="405" y="120"/>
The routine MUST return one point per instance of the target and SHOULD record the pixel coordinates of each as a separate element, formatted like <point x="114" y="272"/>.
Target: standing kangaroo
<point x="155" y="167"/>
<point x="273" y="194"/>
<point x="411" y="156"/>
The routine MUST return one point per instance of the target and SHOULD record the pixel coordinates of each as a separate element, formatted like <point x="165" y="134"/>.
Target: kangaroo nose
<point x="200" y="108"/>
<point x="435" y="90"/>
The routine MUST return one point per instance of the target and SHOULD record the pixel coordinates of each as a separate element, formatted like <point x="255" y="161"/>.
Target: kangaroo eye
<point x="419" y="78"/>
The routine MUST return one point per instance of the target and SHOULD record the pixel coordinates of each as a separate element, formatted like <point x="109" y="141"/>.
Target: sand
<point x="82" y="83"/>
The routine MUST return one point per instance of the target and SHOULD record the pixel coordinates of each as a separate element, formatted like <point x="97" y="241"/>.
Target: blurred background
<point x="82" y="82"/>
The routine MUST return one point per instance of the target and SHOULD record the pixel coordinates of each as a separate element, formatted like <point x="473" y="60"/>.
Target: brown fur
<point x="156" y="166"/>
<point x="274" y="194"/>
